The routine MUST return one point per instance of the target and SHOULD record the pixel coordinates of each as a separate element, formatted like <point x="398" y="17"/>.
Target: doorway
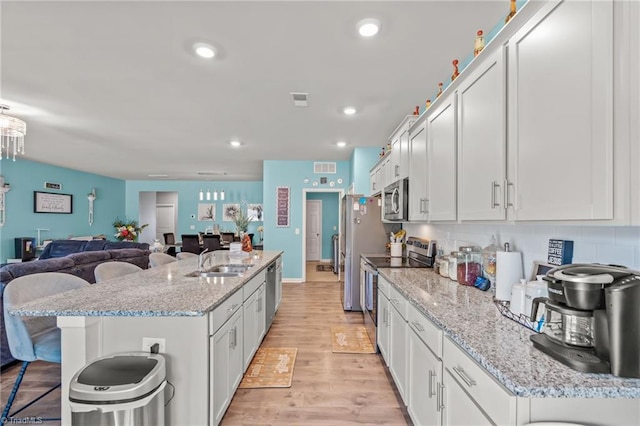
<point x="165" y="220"/>
<point x="321" y="213"/>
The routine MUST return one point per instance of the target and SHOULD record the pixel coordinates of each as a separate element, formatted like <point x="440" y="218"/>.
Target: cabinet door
<point x="403" y="164"/>
<point x="441" y="161"/>
<point x="482" y="144"/>
<point x="236" y="366"/>
<point x="560" y="113"/>
<point x="394" y="169"/>
<point x="418" y="173"/>
<point x="250" y="335"/>
<point x="261" y="315"/>
<point x="222" y="343"/>
<point x="425" y="375"/>
<point x="458" y="407"/>
<point x="278" y="284"/>
<point x="398" y="344"/>
<point x="383" y="326"/>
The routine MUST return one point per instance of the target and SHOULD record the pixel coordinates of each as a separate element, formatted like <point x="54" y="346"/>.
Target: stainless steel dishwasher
<point x="271" y="294"/>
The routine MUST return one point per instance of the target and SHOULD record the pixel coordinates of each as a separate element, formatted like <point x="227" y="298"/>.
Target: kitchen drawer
<point x="496" y="401"/>
<point x="383" y="286"/>
<point x="252" y="285"/>
<point x="428" y="332"/>
<point x="222" y="313"/>
<point x="398" y="301"/>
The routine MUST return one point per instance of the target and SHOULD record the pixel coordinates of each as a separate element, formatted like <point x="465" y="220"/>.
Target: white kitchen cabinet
<point x="399" y="141"/>
<point x="471" y="395"/>
<point x="398" y="341"/>
<point x="383" y="328"/>
<point x="482" y="145"/>
<point x="560" y="147"/>
<point x="441" y="161"/>
<point x="425" y="377"/>
<point x="254" y="322"/>
<point x="226" y="365"/>
<point x="278" y="282"/>
<point x="374" y="185"/>
<point x="418" y="185"/>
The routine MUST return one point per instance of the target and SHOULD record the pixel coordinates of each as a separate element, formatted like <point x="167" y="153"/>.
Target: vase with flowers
<point x="241" y="220"/>
<point x="127" y="230"/>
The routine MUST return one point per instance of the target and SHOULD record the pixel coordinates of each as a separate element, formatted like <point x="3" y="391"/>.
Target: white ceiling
<point x="113" y="87"/>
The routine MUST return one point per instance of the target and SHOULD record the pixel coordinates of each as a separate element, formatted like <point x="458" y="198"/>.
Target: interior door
<point x="314" y="230"/>
<point x="165" y="220"/>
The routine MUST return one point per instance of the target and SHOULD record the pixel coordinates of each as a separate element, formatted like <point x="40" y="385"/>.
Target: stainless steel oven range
<point x="420" y="254"/>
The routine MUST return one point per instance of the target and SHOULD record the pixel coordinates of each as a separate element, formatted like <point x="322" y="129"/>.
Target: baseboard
<point x="292" y="280"/>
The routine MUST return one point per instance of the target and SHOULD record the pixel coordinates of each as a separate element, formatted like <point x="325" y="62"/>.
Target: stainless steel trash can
<point x="120" y="389"/>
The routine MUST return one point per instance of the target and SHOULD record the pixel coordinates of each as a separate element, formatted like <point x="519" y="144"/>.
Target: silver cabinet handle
<point x="258" y="305"/>
<point x="440" y="398"/>
<point x="494" y="203"/>
<point x="507" y="202"/>
<point x="232" y="339"/>
<point x="233" y="307"/>
<point x="417" y="325"/>
<point x="426" y="205"/>
<point x="396" y="170"/>
<point x="432" y="374"/>
<point x="463" y="375"/>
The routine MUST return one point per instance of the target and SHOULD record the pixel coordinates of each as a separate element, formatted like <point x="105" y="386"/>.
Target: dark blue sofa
<point x="74" y="257"/>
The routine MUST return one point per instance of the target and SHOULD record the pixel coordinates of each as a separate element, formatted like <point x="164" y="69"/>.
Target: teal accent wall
<point x="330" y="218"/>
<point x="25" y="177"/>
<point x="292" y="174"/>
<point x="362" y="160"/>
<point x="188" y="200"/>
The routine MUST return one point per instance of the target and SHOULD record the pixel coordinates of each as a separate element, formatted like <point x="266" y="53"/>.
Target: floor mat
<point x="270" y="368"/>
<point x="350" y="339"/>
<point x="322" y="267"/>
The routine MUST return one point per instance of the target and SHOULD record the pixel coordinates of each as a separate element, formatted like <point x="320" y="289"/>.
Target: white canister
<point x="517" y="305"/>
<point x="396" y="249"/>
<point x="534" y="289"/>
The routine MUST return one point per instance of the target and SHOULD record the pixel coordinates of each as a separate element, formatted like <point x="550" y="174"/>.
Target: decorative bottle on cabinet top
<point x="512" y="11"/>
<point x="479" y="43"/>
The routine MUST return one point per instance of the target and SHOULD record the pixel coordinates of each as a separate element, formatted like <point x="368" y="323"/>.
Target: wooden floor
<point x="327" y="388"/>
<point x="313" y="275"/>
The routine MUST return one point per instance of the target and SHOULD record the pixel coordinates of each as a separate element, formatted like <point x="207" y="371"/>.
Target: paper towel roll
<point x="508" y="272"/>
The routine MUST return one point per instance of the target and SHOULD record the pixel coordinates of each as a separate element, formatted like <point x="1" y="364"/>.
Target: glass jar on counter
<point x="444" y="266"/>
<point x="453" y="265"/>
<point x="469" y="265"/>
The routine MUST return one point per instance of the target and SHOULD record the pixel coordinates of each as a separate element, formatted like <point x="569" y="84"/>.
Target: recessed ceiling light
<point x="235" y="144"/>
<point x="369" y="27"/>
<point x="204" y="50"/>
<point x="341" y="144"/>
<point x="349" y="110"/>
<point x="158" y="175"/>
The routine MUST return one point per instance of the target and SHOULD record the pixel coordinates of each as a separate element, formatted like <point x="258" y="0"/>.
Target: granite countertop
<point x="469" y="317"/>
<point x="160" y="291"/>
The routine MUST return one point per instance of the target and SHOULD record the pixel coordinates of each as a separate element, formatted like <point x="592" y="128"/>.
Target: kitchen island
<point x="463" y="323"/>
<point x="190" y="314"/>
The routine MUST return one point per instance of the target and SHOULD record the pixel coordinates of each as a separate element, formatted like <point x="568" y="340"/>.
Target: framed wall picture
<point x="283" y="203"/>
<point x="255" y="212"/>
<point x="229" y="212"/>
<point x="49" y="202"/>
<point x="206" y="212"/>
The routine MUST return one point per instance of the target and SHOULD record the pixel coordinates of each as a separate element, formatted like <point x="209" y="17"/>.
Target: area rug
<point x="270" y="368"/>
<point x="350" y="339"/>
<point x="324" y="267"/>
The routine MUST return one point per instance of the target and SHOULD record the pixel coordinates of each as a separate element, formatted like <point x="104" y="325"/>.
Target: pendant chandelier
<point x="12" y="131"/>
<point x="207" y="195"/>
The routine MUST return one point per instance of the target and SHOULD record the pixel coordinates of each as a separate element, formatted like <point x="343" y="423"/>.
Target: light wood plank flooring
<point x="313" y="275"/>
<point x="327" y="388"/>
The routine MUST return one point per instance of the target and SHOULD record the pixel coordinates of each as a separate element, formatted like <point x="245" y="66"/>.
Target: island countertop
<point x="501" y="346"/>
<point x="160" y="291"/>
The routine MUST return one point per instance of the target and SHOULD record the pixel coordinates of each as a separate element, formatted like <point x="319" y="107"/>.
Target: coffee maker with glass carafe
<point x="591" y="319"/>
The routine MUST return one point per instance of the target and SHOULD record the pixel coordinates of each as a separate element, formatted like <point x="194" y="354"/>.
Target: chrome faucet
<point x="202" y="258"/>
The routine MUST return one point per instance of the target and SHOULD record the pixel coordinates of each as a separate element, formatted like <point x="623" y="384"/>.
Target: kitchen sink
<point x="229" y="270"/>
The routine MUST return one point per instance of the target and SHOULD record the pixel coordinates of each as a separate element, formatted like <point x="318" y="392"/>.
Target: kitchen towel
<point x="508" y="273"/>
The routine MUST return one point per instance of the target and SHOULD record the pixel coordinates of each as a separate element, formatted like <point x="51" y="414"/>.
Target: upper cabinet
<point x="418" y="186"/>
<point x="441" y="161"/>
<point x="560" y="114"/>
<point x="482" y="144"/>
<point x="399" y="141"/>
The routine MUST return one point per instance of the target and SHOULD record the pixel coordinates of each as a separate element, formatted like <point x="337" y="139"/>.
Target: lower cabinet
<point x="384" y="325"/>
<point x="459" y="408"/>
<point x="226" y="365"/>
<point x="425" y="377"/>
<point x="254" y="324"/>
<point x="398" y="342"/>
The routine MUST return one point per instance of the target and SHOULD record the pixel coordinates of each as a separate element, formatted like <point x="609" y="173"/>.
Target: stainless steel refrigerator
<point x="361" y="231"/>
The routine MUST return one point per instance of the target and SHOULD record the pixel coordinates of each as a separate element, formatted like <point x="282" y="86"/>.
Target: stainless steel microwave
<point x="396" y="201"/>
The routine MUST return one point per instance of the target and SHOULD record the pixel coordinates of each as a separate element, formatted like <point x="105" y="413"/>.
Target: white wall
<point x="591" y="244"/>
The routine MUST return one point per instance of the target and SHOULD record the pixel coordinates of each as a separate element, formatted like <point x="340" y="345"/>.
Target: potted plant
<point x="127" y="230"/>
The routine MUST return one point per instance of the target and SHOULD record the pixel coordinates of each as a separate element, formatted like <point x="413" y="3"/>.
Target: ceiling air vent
<point x="300" y="99"/>
<point x="324" y="167"/>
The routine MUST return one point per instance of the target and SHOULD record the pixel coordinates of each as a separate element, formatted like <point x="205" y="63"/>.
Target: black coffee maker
<point x="592" y="318"/>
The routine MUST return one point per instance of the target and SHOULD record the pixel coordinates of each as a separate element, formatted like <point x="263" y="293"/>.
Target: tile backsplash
<point x="591" y="244"/>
